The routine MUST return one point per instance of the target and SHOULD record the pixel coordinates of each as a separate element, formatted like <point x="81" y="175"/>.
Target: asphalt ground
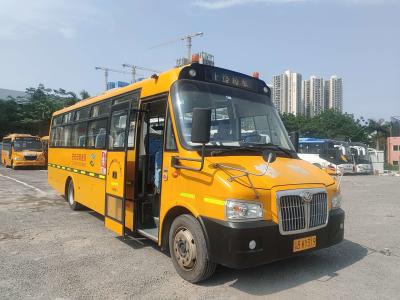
<point x="48" y="251"/>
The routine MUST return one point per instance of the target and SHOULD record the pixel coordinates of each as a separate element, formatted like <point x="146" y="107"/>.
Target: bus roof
<point x="162" y="83"/>
<point x="149" y="87"/>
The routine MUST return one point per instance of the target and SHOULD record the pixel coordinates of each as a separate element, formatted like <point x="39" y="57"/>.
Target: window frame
<point x="123" y="111"/>
<point x="169" y="119"/>
<point x="134" y="95"/>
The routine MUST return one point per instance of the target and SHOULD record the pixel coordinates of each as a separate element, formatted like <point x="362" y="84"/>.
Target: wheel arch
<point x="170" y="216"/>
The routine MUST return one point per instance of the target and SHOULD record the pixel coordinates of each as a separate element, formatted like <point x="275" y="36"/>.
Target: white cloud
<point x="22" y="19"/>
<point x="221" y="4"/>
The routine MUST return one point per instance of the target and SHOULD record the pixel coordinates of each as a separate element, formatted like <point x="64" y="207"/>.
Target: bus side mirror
<point x="201" y="125"/>
<point x="294" y="138"/>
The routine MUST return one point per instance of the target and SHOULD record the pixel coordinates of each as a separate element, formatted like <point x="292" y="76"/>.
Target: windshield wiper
<point x="276" y="147"/>
<point x="254" y="148"/>
<point x="235" y="149"/>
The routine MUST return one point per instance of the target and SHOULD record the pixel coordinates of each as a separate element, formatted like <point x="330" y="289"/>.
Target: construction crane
<point x="106" y="70"/>
<point x="188" y="38"/>
<point x="134" y="68"/>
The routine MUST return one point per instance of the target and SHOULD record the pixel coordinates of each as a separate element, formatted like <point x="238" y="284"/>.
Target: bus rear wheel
<point x="187" y="246"/>
<point x="71" y="197"/>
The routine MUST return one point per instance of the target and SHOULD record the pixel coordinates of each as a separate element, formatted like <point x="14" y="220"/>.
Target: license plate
<point x="304" y="243"/>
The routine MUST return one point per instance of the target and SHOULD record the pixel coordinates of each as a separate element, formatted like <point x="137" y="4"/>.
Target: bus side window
<point x="117" y="130"/>
<point x="79" y="135"/>
<point x="170" y="143"/>
<point x="67" y="136"/>
<point x="97" y="134"/>
<point x="132" y="129"/>
<point x="53" y="137"/>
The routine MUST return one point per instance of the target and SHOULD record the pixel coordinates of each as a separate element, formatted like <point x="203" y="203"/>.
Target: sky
<point x="58" y="43"/>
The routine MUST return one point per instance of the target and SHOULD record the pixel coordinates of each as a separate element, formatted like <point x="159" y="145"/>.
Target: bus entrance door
<point x="115" y="202"/>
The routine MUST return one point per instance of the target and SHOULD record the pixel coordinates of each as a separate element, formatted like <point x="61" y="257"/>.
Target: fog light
<point x="192" y="72"/>
<point x="252" y="244"/>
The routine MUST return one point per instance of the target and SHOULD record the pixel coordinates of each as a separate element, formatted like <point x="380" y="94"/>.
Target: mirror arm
<point x="175" y="161"/>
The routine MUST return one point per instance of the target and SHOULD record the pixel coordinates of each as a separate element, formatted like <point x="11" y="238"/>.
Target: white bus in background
<point x="377" y="160"/>
<point x="326" y="154"/>
<point x="362" y="159"/>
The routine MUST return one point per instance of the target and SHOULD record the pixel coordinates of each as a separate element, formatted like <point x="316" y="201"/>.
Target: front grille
<point x="30" y="157"/>
<point x="297" y="215"/>
<point x="292" y="213"/>
<point x="318" y="210"/>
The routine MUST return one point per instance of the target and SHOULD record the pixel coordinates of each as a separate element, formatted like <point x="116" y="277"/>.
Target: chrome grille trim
<point x="297" y="216"/>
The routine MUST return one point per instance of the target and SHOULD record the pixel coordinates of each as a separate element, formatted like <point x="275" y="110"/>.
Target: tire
<point x="70" y="197"/>
<point x="187" y="246"/>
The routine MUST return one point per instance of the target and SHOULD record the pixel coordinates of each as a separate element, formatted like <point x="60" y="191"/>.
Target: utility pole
<point x="106" y="70"/>
<point x="134" y="68"/>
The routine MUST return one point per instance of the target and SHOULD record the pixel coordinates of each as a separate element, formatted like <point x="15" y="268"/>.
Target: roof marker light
<point x="195" y="58"/>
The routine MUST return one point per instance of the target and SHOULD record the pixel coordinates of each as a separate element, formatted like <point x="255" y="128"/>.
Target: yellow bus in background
<point x="22" y="150"/>
<point x="45" y="145"/>
<point x="197" y="160"/>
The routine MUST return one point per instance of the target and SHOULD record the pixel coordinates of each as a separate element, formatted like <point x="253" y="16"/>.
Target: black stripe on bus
<point x="78" y="171"/>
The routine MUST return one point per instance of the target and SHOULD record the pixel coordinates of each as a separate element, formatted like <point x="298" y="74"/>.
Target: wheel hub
<point x="185" y="249"/>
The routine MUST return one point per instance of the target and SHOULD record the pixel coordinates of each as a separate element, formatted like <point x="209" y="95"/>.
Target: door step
<point x="150" y="233"/>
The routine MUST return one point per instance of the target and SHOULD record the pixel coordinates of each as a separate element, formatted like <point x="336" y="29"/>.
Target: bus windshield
<point x="360" y="154"/>
<point x="326" y="150"/>
<point x="21" y="144"/>
<point x="238" y="117"/>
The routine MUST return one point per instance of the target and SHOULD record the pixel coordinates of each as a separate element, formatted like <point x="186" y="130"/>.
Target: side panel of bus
<point x="83" y="166"/>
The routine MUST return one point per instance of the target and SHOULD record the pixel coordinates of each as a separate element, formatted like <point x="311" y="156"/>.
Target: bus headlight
<point x="243" y="210"/>
<point x="336" y="200"/>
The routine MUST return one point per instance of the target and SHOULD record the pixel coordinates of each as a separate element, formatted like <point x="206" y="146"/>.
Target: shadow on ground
<point x="321" y="265"/>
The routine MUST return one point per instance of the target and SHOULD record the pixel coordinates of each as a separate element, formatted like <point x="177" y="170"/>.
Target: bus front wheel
<point x="71" y="197"/>
<point x="187" y="246"/>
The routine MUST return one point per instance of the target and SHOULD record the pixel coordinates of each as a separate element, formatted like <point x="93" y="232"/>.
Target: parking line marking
<point x="23" y="183"/>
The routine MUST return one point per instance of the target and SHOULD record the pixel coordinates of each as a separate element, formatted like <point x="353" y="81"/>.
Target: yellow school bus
<point x="197" y="160"/>
<point x="22" y="150"/>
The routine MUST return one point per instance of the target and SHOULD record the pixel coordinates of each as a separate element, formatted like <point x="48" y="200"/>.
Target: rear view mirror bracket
<point x="175" y="161"/>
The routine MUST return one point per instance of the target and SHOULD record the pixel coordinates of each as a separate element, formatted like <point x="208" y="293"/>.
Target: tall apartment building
<point x="305" y="98"/>
<point x="316" y="96"/>
<point x="287" y="92"/>
<point x="326" y="94"/>
<point x="336" y="93"/>
<point x="291" y="94"/>
<point x="278" y="83"/>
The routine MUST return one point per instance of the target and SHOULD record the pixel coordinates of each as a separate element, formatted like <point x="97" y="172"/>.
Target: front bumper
<point x="228" y="242"/>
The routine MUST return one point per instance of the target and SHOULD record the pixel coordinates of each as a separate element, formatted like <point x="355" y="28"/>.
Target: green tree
<point x="9" y="115"/>
<point x="378" y="130"/>
<point x="84" y="94"/>
<point x="329" y="124"/>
